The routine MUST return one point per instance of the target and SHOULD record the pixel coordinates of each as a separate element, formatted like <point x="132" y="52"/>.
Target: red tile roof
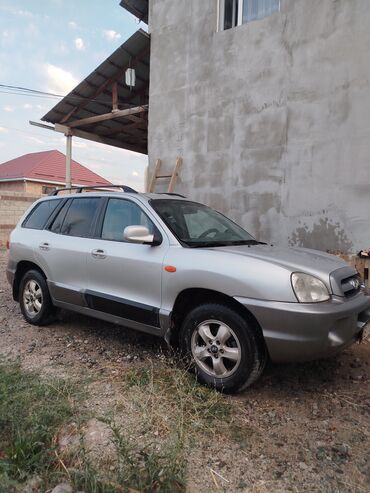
<point x="48" y="166"/>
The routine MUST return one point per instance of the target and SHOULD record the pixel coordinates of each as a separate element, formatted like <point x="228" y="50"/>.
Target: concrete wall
<point x="272" y="118"/>
<point x="12" y="206"/>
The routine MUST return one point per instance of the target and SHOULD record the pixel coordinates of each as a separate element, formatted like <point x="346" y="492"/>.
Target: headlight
<point x="309" y="289"/>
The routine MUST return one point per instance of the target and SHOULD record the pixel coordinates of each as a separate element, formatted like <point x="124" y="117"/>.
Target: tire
<point x="226" y="350"/>
<point x="34" y="299"/>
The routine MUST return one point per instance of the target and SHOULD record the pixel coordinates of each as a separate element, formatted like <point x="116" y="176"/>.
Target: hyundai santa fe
<point x="168" y="266"/>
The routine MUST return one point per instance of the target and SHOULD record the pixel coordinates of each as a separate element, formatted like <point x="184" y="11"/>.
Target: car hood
<point x="293" y="259"/>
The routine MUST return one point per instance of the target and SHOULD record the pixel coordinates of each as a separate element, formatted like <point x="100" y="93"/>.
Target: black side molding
<point x="137" y="312"/>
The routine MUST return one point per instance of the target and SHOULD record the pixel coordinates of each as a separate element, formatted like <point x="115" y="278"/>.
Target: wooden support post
<point x="114" y="97"/>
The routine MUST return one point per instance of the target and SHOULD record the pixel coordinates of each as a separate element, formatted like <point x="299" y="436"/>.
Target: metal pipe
<point x="68" y="161"/>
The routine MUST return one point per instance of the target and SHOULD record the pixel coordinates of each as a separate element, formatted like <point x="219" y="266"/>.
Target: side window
<point x="121" y="213"/>
<point x="80" y="217"/>
<point x="40" y="214"/>
<point x="58" y="220"/>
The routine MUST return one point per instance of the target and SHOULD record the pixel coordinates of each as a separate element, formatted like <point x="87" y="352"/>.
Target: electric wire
<point x="26" y="91"/>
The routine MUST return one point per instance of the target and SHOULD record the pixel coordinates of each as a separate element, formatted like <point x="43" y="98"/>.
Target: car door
<point x="65" y="246"/>
<point x="124" y="279"/>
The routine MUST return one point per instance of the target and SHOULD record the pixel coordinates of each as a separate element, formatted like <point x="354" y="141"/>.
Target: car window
<point x="58" y="219"/>
<point x="80" y="217"/>
<point x="40" y="214"/>
<point x="196" y="220"/>
<point x="197" y="225"/>
<point x="121" y="213"/>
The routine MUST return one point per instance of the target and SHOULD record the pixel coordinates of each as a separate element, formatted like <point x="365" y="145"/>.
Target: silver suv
<point x="172" y="267"/>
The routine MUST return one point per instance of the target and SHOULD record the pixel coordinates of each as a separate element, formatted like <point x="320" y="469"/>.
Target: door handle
<point x="98" y="253"/>
<point x="44" y="246"/>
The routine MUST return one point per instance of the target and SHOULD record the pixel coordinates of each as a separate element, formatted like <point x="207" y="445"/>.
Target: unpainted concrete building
<point x="268" y="103"/>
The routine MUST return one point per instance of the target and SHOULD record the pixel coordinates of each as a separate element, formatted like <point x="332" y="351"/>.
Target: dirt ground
<point x="300" y="428"/>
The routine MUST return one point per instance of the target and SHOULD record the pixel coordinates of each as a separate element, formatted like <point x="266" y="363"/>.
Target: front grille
<point x="351" y="285"/>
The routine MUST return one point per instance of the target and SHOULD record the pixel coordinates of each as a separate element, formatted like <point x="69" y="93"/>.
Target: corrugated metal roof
<point x="139" y="8"/>
<point x="88" y="100"/>
<point x="49" y="166"/>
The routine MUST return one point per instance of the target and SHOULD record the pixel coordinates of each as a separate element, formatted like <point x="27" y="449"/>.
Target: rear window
<point x="80" y="217"/>
<point x="40" y="214"/>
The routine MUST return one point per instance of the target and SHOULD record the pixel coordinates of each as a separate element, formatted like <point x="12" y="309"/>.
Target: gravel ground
<point x="300" y="428"/>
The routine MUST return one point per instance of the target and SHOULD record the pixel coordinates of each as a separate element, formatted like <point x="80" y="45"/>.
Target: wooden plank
<point x="153" y="179"/>
<point x="108" y="116"/>
<point x="97" y="138"/>
<point x="172" y="185"/>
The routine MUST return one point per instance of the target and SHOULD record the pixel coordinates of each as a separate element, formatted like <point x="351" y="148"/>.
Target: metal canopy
<point x="103" y="108"/>
<point x="139" y="8"/>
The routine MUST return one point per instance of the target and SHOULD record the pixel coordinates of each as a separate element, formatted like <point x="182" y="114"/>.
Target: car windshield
<point x="197" y="225"/>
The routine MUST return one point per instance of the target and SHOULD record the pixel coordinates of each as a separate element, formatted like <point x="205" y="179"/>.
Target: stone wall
<point x="12" y="206"/>
<point x="272" y="118"/>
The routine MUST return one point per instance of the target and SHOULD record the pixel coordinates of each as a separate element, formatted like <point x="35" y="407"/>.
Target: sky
<point x="52" y="45"/>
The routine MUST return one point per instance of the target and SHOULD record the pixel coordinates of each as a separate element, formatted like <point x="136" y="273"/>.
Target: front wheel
<point x="34" y="299"/>
<point x="226" y="350"/>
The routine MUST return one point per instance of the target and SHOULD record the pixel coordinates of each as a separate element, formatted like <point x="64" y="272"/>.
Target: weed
<point x="138" y="377"/>
<point x="148" y="466"/>
<point x="30" y="413"/>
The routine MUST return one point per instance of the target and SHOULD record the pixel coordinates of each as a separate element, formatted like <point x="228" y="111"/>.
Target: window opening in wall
<point x="47" y="189"/>
<point x="236" y="12"/>
<point x="231" y="13"/>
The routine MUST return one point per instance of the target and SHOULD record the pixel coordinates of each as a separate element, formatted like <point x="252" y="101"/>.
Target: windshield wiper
<point x="206" y="244"/>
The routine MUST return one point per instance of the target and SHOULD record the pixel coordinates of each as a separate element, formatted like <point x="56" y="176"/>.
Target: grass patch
<point x="172" y="395"/>
<point x="30" y="413"/>
<point x="162" y="413"/>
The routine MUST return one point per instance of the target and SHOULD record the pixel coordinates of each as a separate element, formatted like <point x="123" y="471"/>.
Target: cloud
<point x="24" y="13"/>
<point x="35" y="140"/>
<point x="79" y="44"/>
<point x="59" y="81"/>
<point x="3" y="130"/>
<point x="78" y="145"/>
<point x="8" y="108"/>
<point x="62" y="49"/>
<point x="111" y="35"/>
<point x="72" y="24"/>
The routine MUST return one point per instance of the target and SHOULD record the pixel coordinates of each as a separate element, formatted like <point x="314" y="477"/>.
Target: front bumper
<point x="304" y="332"/>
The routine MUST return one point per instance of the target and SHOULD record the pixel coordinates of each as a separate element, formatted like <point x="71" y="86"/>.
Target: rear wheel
<point x="34" y="299"/>
<point x="225" y="349"/>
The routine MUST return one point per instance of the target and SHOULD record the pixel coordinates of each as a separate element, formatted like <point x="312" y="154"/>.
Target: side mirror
<point x="138" y="234"/>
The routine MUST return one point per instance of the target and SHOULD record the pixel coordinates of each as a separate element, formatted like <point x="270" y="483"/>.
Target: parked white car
<point x="169" y="266"/>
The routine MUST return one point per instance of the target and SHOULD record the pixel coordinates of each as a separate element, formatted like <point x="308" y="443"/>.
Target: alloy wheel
<point x="32" y="298"/>
<point x="216" y="348"/>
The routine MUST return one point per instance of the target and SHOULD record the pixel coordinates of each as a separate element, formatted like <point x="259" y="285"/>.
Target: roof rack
<point x="171" y="193"/>
<point x="103" y="188"/>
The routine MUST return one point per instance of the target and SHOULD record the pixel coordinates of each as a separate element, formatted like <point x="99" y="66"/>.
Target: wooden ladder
<point x="173" y="177"/>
